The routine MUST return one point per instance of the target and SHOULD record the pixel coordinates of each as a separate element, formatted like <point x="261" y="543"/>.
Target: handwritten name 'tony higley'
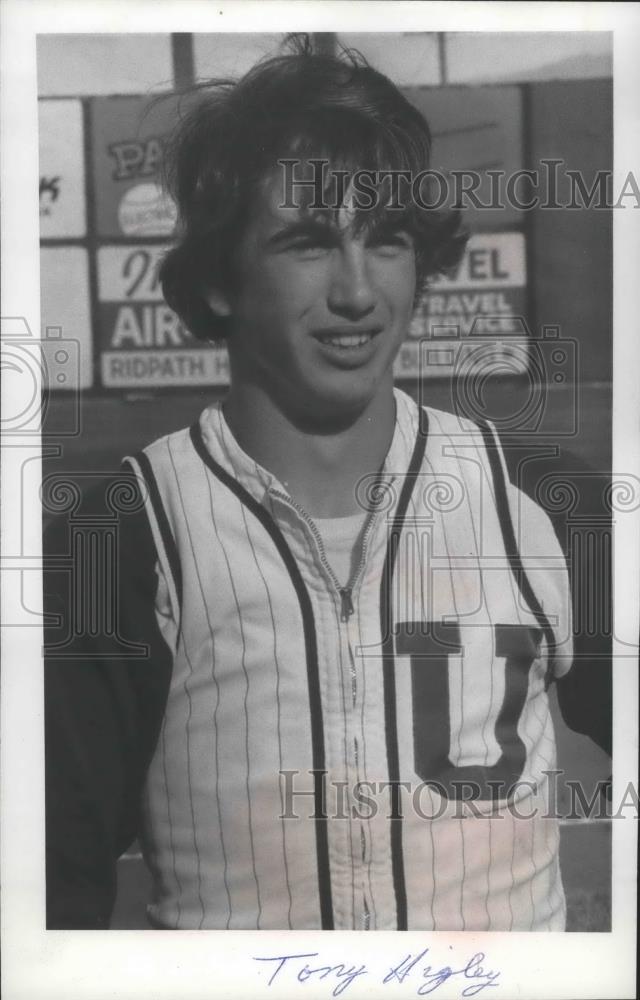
<point x="418" y="970"/>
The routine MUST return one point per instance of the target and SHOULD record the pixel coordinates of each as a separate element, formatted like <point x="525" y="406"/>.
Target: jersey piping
<point x="389" y="678"/>
<point x="510" y="543"/>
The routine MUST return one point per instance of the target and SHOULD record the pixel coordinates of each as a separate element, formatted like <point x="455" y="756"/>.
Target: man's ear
<point x="218" y="302"/>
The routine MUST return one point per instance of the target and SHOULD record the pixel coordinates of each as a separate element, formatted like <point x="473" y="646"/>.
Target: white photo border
<point x="215" y="964"/>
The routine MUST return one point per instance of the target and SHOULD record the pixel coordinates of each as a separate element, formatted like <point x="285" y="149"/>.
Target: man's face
<point x="318" y="310"/>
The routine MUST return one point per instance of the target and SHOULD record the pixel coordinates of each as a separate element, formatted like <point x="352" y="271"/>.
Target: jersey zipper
<point x="345" y="593"/>
<point x="346" y="611"/>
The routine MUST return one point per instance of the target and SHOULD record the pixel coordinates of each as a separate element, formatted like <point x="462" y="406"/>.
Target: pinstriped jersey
<point x="364" y="757"/>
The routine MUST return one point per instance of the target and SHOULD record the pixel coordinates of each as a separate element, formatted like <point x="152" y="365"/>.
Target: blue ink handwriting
<point x="435" y="977"/>
<point x="344" y="974"/>
<point x="471" y="975"/>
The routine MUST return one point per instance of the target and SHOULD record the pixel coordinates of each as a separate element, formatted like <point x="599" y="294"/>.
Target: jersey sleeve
<point x="583" y="678"/>
<point x="536" y="558"/>
<point x="107" y="671"/>
<point x="545" y="566"/>
<point x="581" y="659"/>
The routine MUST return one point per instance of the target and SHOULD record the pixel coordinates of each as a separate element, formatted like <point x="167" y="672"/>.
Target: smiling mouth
<point x="347" y="341"/>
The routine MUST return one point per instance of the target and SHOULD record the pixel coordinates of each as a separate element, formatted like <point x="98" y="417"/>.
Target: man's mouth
<point x="347" y="340"/>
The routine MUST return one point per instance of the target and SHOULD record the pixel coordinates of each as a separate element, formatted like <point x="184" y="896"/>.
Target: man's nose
<point x="351" y="293"/>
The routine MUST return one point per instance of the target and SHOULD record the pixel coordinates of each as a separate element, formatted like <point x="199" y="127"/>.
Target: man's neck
<point x="319" y="470"/>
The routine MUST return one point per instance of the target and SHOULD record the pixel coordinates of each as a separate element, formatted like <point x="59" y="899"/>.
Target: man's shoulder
<point x="167" y="460"/>
<point x="161" y="449"/>
<point x="413" y="414"/>
<point x="451" y="424"/>
<point x="170" y="464"/>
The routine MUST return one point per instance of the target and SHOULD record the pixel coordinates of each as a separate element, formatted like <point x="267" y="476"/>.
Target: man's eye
<point x="309" y="246"/>
<point x="391" y="242"/>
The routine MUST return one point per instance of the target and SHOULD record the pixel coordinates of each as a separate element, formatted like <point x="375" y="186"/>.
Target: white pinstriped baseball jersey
<point x="429" y="671"/>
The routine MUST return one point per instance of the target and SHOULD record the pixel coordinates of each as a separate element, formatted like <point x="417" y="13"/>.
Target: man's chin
<point x="336" y="408"/>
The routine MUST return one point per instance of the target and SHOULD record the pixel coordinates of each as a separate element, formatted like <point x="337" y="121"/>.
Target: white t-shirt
<point x="340" y="536"/>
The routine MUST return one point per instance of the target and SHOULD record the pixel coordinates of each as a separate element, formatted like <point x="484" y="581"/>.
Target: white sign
<point x="62" y="184"/>
<point x="471" y="322"/>
<point x="143" y="343"/>
<point x="153" y="369"/>
<point x="65" y="317"/>
<point x="491" y="260"/>
<point x="130" y="273"/>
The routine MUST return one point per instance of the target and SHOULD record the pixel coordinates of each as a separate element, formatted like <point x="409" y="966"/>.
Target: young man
<point x="322" y="701"/>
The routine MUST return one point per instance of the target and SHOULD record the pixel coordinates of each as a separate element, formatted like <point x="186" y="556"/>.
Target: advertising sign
<point x="142" y="342"/>
<point x="62" y="180"/>
<point x="66" y="319"/>
<point x="128" y="136"/>
<point x="472" y="319"/>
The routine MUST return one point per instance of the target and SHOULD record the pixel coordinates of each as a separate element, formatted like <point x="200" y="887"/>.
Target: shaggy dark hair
<point x="301" y="106"/>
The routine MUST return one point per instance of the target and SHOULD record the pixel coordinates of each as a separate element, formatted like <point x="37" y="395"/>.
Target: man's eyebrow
<point x="327" y="231"/>
<point x="303" y="227"/>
